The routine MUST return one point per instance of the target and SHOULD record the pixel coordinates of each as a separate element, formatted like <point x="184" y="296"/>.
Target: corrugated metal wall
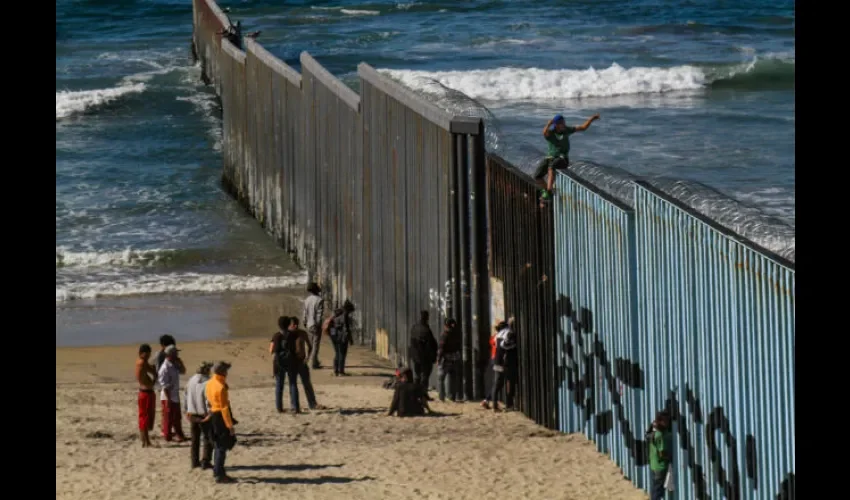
<point x="366" y="196"/>
<point x="660" y="308"/>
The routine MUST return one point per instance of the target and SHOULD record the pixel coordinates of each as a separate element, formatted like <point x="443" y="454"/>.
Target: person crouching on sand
<point x="198" y="416"/>
<point x="221" y="420"/>
<point x="409" y="398"/>
<point x="146" y="376"/>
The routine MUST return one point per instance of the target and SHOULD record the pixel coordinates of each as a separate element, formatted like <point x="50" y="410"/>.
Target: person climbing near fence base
<point x="557" y="134"/>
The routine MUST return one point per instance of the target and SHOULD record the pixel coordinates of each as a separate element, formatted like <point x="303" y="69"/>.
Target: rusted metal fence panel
<point x="521" y="265"/>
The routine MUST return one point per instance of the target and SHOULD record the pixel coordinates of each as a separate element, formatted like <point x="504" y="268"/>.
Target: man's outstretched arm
<point x="584" y="126"/>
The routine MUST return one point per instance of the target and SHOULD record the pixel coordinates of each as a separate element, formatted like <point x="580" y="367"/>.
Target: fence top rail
<point x="505" y="164"/>
<point x="272" y="62"/>
<point x="216" y="10"/>
<point x="596" y="190"/>
<point x="343" y="91"/>
<point x="432" y="113"/>
<point x="232" y="51"/>
<point x="714" y="225"/>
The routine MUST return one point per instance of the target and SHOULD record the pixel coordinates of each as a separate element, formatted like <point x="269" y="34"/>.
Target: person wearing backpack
<point x="339" y="330"/>
<point x="282" y="349"/>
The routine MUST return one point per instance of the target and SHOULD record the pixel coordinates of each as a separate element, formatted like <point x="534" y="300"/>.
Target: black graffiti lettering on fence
<point x="751" y="460"/>
<point x="582" y="383"/>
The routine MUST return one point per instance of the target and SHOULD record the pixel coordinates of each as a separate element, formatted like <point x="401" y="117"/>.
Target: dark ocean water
<point x="695" y="90"/>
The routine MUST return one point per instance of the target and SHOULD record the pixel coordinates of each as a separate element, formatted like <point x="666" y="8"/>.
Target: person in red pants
<point x="169" y="396"/>
<point x="146" y="375"/>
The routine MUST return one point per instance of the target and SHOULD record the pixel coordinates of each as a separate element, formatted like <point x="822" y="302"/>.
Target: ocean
<point x="701" y="91"/>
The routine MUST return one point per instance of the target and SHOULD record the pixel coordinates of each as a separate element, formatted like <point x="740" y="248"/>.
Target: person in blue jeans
<point x="282" y="349"/>
<point x="298" y="367"/>
<point x="660" y="442"/>
<point x="340" y="333"/>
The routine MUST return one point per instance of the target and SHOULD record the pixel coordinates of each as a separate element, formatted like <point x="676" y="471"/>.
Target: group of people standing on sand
<point x="207" y="405"/>
<point x="447" y="353"/>
<point x="206" y="401"/>
<point x="295" y="351"/>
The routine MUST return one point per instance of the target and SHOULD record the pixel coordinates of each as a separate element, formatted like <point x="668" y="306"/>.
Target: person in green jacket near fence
<point x="660" y="441"/>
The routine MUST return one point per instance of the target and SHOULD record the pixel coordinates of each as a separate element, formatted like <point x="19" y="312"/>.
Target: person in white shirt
<point x="197" y="411"/>
<point x="169" y="395"/>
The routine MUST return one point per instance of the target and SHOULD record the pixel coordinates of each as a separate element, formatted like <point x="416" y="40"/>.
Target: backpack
<point x="286" y="348"/>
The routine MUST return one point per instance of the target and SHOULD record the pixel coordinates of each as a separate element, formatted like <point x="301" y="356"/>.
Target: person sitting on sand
<point x="146" y="376"/>
<point x="409" y="398"/>
<point x="221" y="420"/>
<point x="198" y="416"/>
<point x="299" y="367"/>
<point x="169" y="383"/>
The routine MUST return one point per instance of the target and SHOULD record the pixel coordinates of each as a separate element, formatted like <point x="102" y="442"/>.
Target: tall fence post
<point x="480" y="275"/>
<point x="462" y="162"/>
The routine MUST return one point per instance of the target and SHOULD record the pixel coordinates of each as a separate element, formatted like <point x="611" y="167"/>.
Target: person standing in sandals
<point x="169" y="396"/>
<point x="450" y="361"/>
<point x="146" y="376"/>
<point x="339" y="330"/>
<point x="221" y="419"/>
<point x="505" y="365"/>
<point x="660" y="445"/>
<point x="199" y="416"/>
<point x="422" y="352"/>
<point x="283" y="349"/>
<point x="298" y="367"/>
<point x="314" y="310"/>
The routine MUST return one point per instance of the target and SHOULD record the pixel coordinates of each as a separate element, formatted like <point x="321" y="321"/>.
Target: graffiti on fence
<point x="583" y="385"/>
<point x="441" y="301"/>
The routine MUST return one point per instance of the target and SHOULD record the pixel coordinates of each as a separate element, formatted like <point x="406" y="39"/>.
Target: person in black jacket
<point x="450" y="361"/>
<point x="422" y="351"/>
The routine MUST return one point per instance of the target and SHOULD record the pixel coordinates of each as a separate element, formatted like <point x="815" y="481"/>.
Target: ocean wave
<point x="195" y="283"/>
<point x="123" y="258"/>
<point x="72" y="102"/>
<point x="532" y="84"/>
<point x="356" y="12"/>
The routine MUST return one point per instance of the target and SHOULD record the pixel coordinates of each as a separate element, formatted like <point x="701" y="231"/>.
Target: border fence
<point x="622" y="309"/>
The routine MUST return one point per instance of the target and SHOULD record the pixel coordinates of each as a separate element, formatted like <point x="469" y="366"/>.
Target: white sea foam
<point x="537" y="84"/>
<point x="355" y="12"/>
<point x="128" y="257"/>
<point x="122" y="286"/>
<point x="70" y="102"/>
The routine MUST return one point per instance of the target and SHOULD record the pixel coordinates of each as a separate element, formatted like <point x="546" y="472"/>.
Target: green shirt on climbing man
<point x="559" y="144"/>
<point x="659" y="451"/>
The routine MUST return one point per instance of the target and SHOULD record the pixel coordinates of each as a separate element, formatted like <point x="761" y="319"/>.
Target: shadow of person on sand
<point x="304" y="480"/>
<point x="361" y="411"/>
<point x="287" y="467"/>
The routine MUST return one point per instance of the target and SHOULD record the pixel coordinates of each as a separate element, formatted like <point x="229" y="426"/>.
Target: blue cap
<point x="558" y="118"/>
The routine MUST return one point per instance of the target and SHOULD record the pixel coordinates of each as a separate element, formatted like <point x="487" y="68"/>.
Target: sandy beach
<point x="349" y="451"/>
